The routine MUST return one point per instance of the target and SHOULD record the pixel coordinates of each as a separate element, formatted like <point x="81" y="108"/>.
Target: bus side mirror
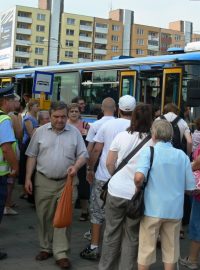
<point x="193" y="93"/>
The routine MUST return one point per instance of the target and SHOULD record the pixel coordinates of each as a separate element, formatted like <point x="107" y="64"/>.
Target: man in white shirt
<point x="103" y="140"/>
<point x="108" y="108"/>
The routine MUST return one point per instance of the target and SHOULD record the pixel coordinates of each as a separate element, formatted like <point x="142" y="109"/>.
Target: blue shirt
<point x="170" y="176"/>
<point x="35" y="124"/>
<point x="6" y="132"/>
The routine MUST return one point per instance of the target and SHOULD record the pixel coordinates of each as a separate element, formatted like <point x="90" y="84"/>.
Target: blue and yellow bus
<point x="154" y="79"/>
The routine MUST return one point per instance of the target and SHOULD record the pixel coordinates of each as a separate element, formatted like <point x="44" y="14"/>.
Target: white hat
<point x="127" y="103"/>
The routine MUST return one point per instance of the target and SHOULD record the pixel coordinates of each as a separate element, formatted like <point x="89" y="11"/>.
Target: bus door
<point x="127" y="82"/>
<point x="172" y="86"/>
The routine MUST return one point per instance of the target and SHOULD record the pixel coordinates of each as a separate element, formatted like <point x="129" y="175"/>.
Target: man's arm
<point x="111" y="161"/>
<point x="188" y="138"/>
<point x="72" y="170"/>
<point x="11" y="158"/>
<point x="138" y="179"/>
<point x="93" y="160"/>
<point x="30" y="166"/>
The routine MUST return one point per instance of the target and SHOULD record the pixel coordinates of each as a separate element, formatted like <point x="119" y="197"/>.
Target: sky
<point x="148" y="12"/>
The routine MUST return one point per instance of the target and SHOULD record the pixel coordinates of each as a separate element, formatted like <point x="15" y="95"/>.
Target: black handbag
<point x="104" y="191"/>
<point x="135" y="207"/>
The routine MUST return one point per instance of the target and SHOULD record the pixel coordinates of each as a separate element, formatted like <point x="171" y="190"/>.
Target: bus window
<point x="172" y="86"/>
<point x="98" y="85"/>
<point x="151" y="91"/>
<point x="128" y="83"/>
<point x="65" y="86"/>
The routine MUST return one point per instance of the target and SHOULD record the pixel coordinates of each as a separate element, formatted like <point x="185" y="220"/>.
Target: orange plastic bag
<point x="63" y="214"/>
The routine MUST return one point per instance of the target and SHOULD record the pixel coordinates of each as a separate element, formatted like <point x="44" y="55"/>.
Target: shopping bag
<point x="63" y="214"/>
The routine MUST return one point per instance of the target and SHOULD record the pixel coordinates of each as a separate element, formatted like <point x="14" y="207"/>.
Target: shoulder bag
<point x="104" y="191"/>
<point x="135" y="207"/>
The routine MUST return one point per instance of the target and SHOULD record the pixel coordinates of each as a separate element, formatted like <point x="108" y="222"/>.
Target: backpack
<point x="176" y="140"/>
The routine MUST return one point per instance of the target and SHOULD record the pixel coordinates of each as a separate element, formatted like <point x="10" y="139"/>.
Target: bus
<point x="156" y="80"/>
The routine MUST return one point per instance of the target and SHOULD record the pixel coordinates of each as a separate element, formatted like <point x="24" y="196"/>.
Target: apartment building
<point x="47" y="35"/>
<point x="85" y="38"/>
<point x="150" y="40"/>
<point x="24" y="32"/>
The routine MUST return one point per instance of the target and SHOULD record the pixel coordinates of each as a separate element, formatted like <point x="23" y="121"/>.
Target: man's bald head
<point x="108" y="105"/>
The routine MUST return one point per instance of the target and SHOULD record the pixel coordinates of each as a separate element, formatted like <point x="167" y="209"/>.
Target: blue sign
<point x="43" y="82"/>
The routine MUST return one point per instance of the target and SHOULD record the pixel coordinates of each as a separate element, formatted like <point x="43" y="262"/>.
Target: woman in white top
<point x="120" y="241"/>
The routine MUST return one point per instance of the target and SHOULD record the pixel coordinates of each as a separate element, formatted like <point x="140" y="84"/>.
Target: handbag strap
<point x="132" y="153"/>
<point x="151" y="162"/>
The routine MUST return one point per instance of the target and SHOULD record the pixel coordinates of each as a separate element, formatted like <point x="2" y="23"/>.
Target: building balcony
<point x="100" y="51"/>
<point x="84" y="38"/>
<point x="85" y="50"/>
<point x="24" y="19"/>
<point x="86" y="28"/>
<point x="22" y="54"/>
<point x="19" y="65"/>
<point x="101" y="30"/>
<point x="23" y="42"/>
<point x="101" y="40"/>
<point x="24" y="31"/>
<point x="153" y="48"/>
<point x="83" y="60"/>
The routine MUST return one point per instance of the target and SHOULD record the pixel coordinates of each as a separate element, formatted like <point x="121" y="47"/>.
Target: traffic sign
<point x="43" y="82"/>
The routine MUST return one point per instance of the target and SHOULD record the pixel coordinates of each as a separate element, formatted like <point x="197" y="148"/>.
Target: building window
<point x="39" y="39"/>
<point x="101" y="25"/>
<point x="22" y="25"/>
<point x="39" y="50"/>
<point x="24" y="14"/>
<point x="140" y="41"/>
<point x="69" y="54"/>
<point x="85" y="23"/>
<point x="177" y="45"/>
<point x="177" y="37"/>
<point x="153" y="42"/>
<point x="41" y="17"/>
<point x="69" y="32"/>
<point x="98" y="57"/>
<point x="114" y="48"/>
<point x="99" y="35"/>
<point x="21" y="49"/>
<point x="139" y="52"/>
<point x="115" y="27"/>
<point x="152" y="53"/>
<point x="115" y="38"/>
<point x="69" y="43"/>
<point x="70" y="21"/>
<point x="20" y="60"/>
<point x="22" y="37"/>
<point x="140" y="31"/>
<point x="153" y="34"/>
<point x="38" y="62"/>
<point x="40" y="28"/>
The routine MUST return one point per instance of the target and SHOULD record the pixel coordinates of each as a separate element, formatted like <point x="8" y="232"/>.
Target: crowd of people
<point x="39" y="149"/>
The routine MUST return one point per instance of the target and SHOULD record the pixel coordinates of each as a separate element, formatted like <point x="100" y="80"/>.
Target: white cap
<point x="127" y="103"/>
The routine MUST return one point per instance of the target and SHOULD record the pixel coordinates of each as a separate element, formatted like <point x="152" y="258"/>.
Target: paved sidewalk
<point x="18" y="237"/>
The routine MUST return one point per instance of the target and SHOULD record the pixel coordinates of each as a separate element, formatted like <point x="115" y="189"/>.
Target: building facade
<point x="47" y="35"/>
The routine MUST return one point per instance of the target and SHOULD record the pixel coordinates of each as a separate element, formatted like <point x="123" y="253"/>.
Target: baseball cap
<point x="127" y="103"/>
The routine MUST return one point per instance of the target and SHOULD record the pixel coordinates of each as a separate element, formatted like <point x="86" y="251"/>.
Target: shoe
<point x="63" y="263"/>
<point x="43" y="255"/>
<point x="9" y="211"/>
<point x="88" y="235"/>
<point x="90" y="254"/>
<point x="84" y="217"/>
<point x="3" y="255"/>
<point x="185" y="262"/>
